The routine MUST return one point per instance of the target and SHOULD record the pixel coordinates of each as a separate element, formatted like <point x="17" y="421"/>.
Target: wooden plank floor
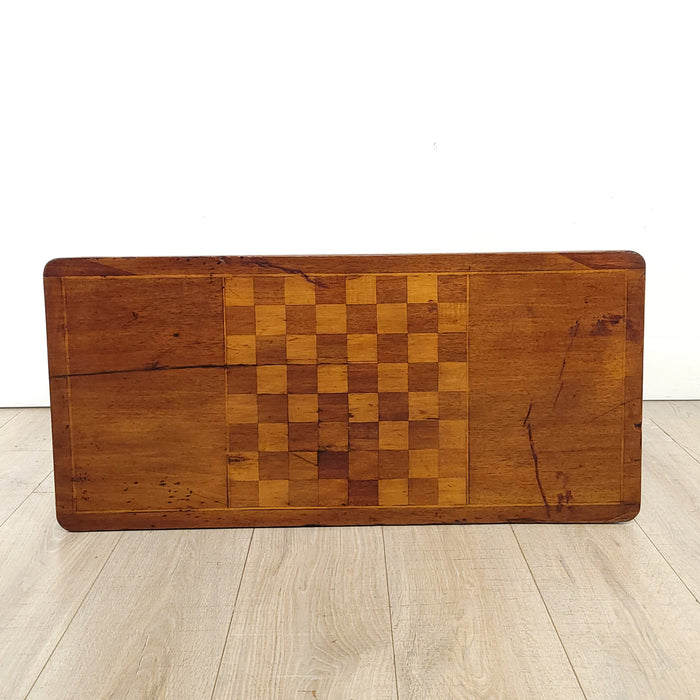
<point x="493" y="611"/>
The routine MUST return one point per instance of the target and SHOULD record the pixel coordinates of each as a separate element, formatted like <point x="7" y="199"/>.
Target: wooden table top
<point x="253" y="391"/>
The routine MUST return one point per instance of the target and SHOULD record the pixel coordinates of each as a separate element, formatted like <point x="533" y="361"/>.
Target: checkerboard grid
<point x="401" y="462"/>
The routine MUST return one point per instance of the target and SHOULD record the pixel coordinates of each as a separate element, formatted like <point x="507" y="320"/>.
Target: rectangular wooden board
<point x="254" y="391"/>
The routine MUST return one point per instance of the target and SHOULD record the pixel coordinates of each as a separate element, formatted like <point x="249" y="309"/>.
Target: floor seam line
<point x="391" y="617"/>
<point x="549" y="614"/>
<point x="233" y="611"/>
<point x="74" y="615"/>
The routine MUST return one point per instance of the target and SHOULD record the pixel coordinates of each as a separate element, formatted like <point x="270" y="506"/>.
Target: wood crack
<point x="266" y="264"/>
<point x="153" y="367"/>
<point x="533" y="452"/>
<point x="573" y="332"/>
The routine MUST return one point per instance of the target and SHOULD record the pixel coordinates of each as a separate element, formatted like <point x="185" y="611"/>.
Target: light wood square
<point x="270" y="319"/>
<point x="273" y="493"/>
<point x="298" y="290"/>
<point x="331" y="318"/>
<point x="332" y="492"/>
<point x="452" y="492"/>
<point x="423" y="464"/>
<point x="332" y="379"/>
<point x="392" y="376"/>
<point x="452" y="376"/>
<point x="303" y="466"/>
<point x="364" y="408"/>
<point x="422" y="405"/>
<point x="272" y="437"/>
<point x="393" y="492"/>
<point x="240" y="349"/>
<point x="272" y="379"/>
<point x="243" y="466"/>
<point x="302" y="408"/>
<point x="422" y="288"/>
<point x="453" y="434"/>
<point x="361" y="289"/>
<point x="393" y="435"/>
<point x="301" y="348"/>
<point x="242" y="408"/>
<point x="362" y="347"/>
<point x="423" y="347"/>
<point x="239" y="291"/>
<point x="452" y="317"/>
<point x="333" y="436"/>
<point x="392" y="318"/>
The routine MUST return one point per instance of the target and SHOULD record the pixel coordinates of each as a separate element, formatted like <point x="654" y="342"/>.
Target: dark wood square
<point x="303" y="493"/>
<point x="303" y="437"/>
<point x="363" y="436"/>
<point x="272" y="408"/>
<point x="391" y="290"/>
<point x="452" y="462"/>
<point x="393" y="464"/>
<point x="423" y="492"/>
<point x="243" y="437"/>
<point x="332" y="465"/>
<point x="363" y="492"/>
<point x="268" y="290"/>
<point x="243" y="494"/>
<point x="392" y="347"/>
<point x="333" y="437"/>
<point x="302" y="379"/>
<point x="452" y="405"/>
<point x="301" y="320"/>
<point x="271" y="349"/>
<point x="423" y="376"/>
<point x="422" y="434"/>
<point x="362" y="377"/>
<point x="333" y="408"/>
<point x="452" y="347"/>
<point x="332" y="348"/>
<point x="362" y="318"/>
<point x="330" y="290"/>
<point x="240" y="320"/>
<point x="364" y="464"/>
<point x="242" y="380"/>
<point x="273" y="466"/>
<point x="422" y="318"/>
<point x="393" y="405"/>
<point x="452" y="288"/>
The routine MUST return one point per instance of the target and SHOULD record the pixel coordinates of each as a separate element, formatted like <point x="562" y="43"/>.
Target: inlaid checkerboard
<point x="347" y="390"/>
<point x="238" y="391"/>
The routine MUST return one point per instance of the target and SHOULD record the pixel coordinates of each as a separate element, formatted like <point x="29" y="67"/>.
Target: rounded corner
<point x="630" y="513"/>
<point x="52" y="267"/>
<point x="636" y="260"/>
<point x="68" y="521"/>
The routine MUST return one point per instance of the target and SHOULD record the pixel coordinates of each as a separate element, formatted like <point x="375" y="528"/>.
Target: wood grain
<point x="163" y="601"/>
<point x="345" y="389"/>
<point x="546" y="408"/>
<point x="46" y="574"/>
<point x="468" y="620"/>
<point x="312" y="618"/>
<point x="629" y="625"/>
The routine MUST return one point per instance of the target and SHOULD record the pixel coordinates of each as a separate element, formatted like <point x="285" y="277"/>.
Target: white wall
<point x="142" y="128"/>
